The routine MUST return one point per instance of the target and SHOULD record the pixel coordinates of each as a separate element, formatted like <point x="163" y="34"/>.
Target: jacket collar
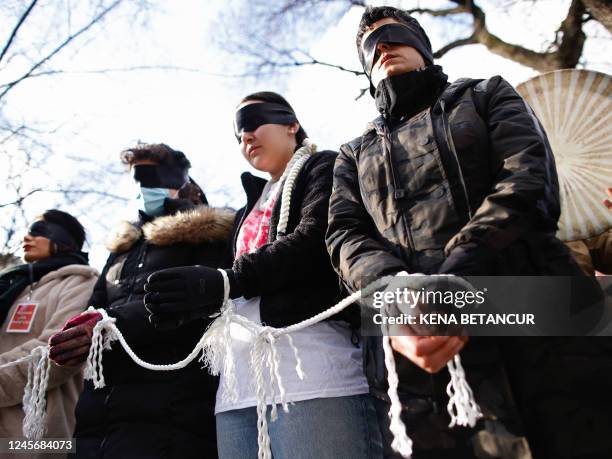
<point x="253" y="187"/>
<point x="450" y="94"/>
<point x="68" y="270"/>
<point x="199" y="225"/>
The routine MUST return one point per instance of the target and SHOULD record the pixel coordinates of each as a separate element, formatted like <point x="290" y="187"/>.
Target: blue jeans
<point x="321" y="428"/>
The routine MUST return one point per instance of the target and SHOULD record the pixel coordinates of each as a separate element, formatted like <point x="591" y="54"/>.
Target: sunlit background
<point x="173" y="72"/>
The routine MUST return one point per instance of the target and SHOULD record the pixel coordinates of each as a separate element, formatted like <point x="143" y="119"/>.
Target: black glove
<point x="178" y="295"/>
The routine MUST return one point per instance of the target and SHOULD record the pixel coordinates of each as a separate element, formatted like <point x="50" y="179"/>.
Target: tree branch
<point x="61" y="46"/>
<point x="455" y="44"/>
<point x="284" y="58"/>
<point x="362" y="92"/>
<point x="436" y="13"/>
<point x="565" y="56"/>
<point x="135" y="68"/>
<point x="314" y="61"/>
<point x="16" y="29"/>
<point x="20" y="199"/>
<point x="601" y="11"/>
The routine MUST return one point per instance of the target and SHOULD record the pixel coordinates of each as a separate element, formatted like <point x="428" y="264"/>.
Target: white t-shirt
<point x="332" y="365"/>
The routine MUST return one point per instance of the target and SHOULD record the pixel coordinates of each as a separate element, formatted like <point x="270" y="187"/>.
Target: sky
<point x="95" y="116"/>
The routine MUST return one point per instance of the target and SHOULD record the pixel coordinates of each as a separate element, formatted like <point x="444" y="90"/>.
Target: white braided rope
<point x="25" y="358"/>
<point x="105" y="332"/>
<point x="34" y="400"/>
<point x="215" y="346"/>
<point x="263" y="438"/>
<point x="401" y="441"/>
<point x="218" y="337"/>
<point x="34" y="396"/>
<point x="290" y="175"/>
<point x="101" y="338"/>
<point x="463" y="409"/>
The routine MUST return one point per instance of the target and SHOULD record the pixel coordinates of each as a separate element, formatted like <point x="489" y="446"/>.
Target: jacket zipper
<point x="398" y="193"/>
<point x="141" y="257"/>
<point x="451" y="147"/>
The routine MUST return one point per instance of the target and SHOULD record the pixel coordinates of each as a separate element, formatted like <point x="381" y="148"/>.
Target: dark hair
<point x="68" y="222"/>
<point x="376" y="13"/>
<point x="160" y="153"/>
<point x="274" y="98"/>
<point x="192" y="191"/>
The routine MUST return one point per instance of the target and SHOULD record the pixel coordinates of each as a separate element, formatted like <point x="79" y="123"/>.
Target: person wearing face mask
<point x="143" y="413"/>
<point x="458" y="178"/>
<point x="36" y="298"/>
<point x="281" y="275"/>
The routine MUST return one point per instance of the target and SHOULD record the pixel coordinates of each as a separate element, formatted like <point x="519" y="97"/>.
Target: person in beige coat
<point x="36" y="299"/>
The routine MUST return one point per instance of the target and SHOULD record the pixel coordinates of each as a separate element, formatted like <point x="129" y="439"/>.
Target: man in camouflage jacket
<point x="460" y="179"/>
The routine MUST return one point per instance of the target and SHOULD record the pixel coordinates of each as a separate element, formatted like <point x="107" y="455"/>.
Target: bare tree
<point x="273" y="36"/>
<point x="27" y="152"/>
<point x="601" y="11"/>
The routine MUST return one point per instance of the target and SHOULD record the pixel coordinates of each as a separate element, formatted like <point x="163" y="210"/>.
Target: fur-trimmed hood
<point x="194" y="226"/>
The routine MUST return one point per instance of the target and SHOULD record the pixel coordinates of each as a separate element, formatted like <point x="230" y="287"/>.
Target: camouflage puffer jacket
<point x="473" y="177"/>
<point x="468" y="187"/>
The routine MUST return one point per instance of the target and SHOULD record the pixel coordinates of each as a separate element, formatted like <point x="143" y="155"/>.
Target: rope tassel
<point x="462" y="408"/>
<point x="102" y="336"/>
<point x="401" y="441"/>
<point x="217" y="354"/>
<point x="34" y="397"/>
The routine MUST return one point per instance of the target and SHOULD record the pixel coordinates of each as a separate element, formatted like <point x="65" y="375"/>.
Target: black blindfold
<point x="392" y="33"/>
<point x="251" y="116"/>
<point x="152" y="176"/>
<point x="54" y="232"/>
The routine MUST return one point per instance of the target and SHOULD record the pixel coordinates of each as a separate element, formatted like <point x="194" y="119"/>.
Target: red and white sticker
<point x="22" y="318"/>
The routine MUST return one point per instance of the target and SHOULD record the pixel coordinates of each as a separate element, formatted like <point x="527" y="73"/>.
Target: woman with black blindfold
<point x="281" y="275"/>
<point x="36" y="298"/>
<point x="142" y="413"/>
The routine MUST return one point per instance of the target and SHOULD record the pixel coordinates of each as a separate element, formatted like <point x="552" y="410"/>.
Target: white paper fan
<point x="574" y="107"/>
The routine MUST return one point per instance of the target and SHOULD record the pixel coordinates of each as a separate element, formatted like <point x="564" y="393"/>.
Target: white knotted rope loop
<point x="217" y="352"/>
<point x="401" y="441"/>
<point x="102" y="336"/>
<point x="215" y="346"/>
<point x="25" y="358"/>
<point x="106" y="331"/>
<point x="263" y="437"/>
<point x="298" y="362"/>
<point x="462" y="408"/>
<point x="34" y="396"/>
<point x="290" y="174"/>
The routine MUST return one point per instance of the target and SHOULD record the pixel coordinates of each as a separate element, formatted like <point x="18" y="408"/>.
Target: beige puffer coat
<point x="61" y="294"/>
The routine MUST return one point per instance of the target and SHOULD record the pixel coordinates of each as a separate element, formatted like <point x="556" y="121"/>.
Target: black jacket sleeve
<point x="352" y="240"/>
<point x="521" y="167"/>
<point x="301" y="254"/>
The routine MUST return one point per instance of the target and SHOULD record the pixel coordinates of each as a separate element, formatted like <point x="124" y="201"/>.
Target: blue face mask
<point x="152" y="200"/>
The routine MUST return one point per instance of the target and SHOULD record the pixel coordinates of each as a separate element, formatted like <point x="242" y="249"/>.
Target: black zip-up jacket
<point x="473" y="173"/>
<point x="468" y="187"/>
<point x="292" y="273"/>
<point x="144" y="413"/>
